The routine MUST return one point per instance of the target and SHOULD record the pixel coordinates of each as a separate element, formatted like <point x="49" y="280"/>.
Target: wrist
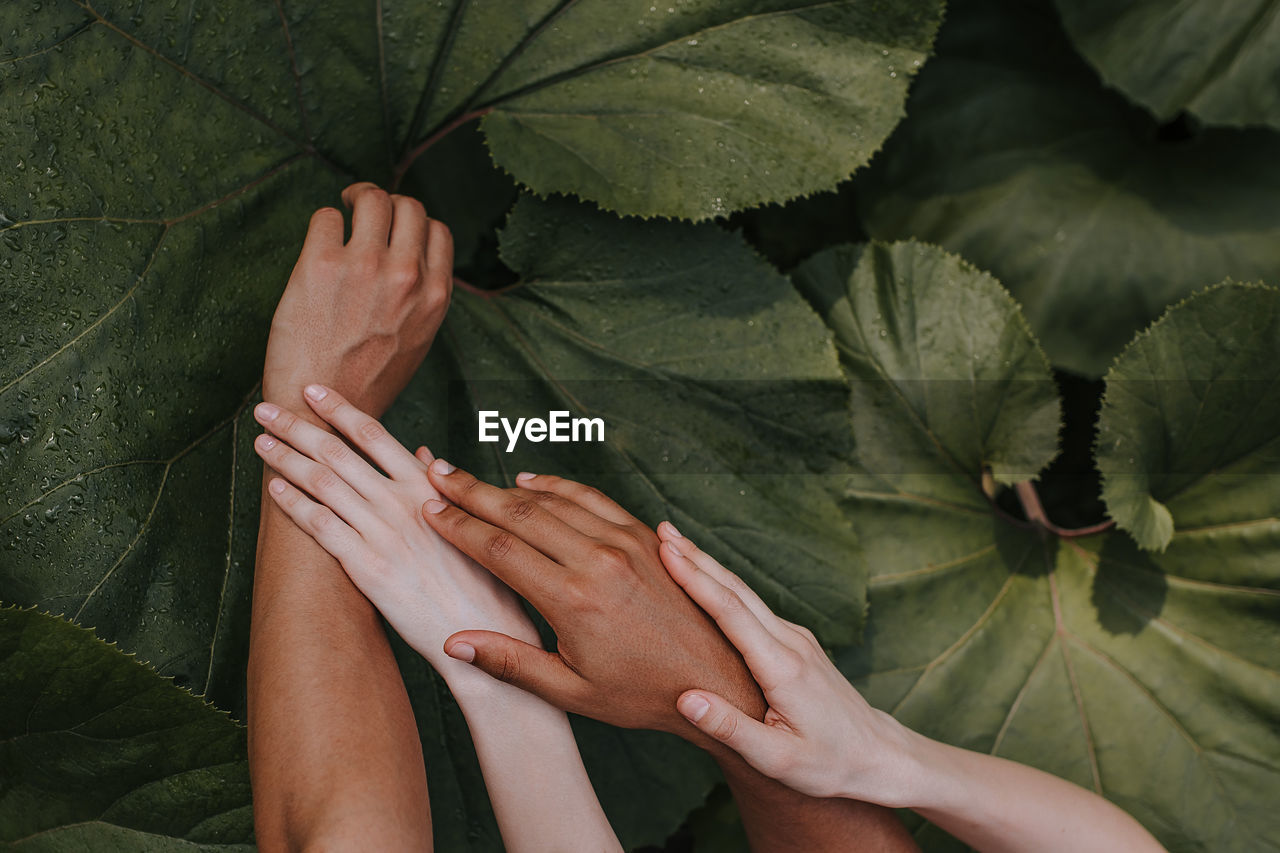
<point x="924" y="776"/>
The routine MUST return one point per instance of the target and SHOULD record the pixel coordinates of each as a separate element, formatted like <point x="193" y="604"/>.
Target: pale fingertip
<point x="440" y="466"/>
<point x="433" y="506"/>
<point x="524" y="475"/>
<point x="464" y="652"/>
<point x="694" y="706"/>
<point x="666" y="528"/>
<point x="316" y="392"/>
<point x="265" y="442"/>
<point x="266" y="412"/>
<point x="676" y="545"/>
<point x="276" y="487"/>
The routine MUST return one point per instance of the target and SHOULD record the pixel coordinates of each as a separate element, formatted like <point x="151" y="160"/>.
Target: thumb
<point x="745" y="735"/>
<point x="518" y="663"/>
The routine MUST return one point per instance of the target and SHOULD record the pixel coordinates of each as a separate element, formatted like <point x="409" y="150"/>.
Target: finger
<point x="520" y="516"/>
<point x="424" y="455"/>
<point x="329" y="531"/>
<point x="667" y="532"/>
<point x="513" y="561"/>
<point x="762" y="746"/>
<point x="325" y="231"/>
<point x="579" y="518"/>
<point x="370" y="214"/>
<point x="318" y="481"/>
<point x="769" y="660"/>
<point x="439" y="253"/>
<point x="518" y="663"/>
<point x="363" y="431"/>
<point x="585" y="496"/>
<point x="321" y="446"/>
<point x="408" y="228"/>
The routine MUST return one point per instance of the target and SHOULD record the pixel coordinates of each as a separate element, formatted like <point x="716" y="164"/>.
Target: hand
<point x="629" y="640"/>
<point x="819" y="736"/>
<point x="373" y="525"/>
<point x="361" y="316"/>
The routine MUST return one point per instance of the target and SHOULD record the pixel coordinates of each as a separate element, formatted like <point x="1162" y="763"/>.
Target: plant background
<point x="669" y="239"/>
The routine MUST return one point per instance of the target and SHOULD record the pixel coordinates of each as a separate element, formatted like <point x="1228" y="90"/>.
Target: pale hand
<point x="819" y="736"/>
<point x="373" y="525"/>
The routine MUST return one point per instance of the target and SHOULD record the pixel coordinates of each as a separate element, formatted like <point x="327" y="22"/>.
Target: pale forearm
<point x="333" y="747"/>
<point x="998" y="806"/>
<point x="539" y="789"/>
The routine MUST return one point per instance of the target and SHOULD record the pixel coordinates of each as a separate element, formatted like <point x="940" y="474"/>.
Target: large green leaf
<point x="1190" y="425"/>
<point x="694" y="108"/>
<point x="1018" y="158"/>
<point x="1152" y="679"/>
<point x="132" y="489"/>
<point x="100" y="753"/>
<point x="1213" y="58"/>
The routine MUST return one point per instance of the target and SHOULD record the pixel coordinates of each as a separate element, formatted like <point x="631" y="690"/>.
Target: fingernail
<point x="442" y="467"/>
<point x="525" y="475"/>
<point x="464" y="652"/>
<point x="267" y="411"/>
<point x="694" y="707"/>
<point x="675" y="531"/>
<point x="433" y="506"/>
<point x="316" y="392"/>
<point x="275" y="487"/>
<point x="676" y="545"/>
<point x="266" y="442"/>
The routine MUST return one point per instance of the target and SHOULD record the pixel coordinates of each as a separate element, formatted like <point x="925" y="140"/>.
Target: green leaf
<point x="946" y="375"/>
<point x="1214" y="59"/>
<point x="100" y="753"/>
<point x="1190" y="425"/>
<point x="132" y="490"/>
<point x="1152" y="679"/>
<point x="699" y="108"/>
<point x="1017" y="157"/>
<point x="717" y="383"/>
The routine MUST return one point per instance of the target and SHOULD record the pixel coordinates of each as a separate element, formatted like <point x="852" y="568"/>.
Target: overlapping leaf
<point x="99" y="753"/>
<point x="1018" y="158"/>
<point x="164" y="160"/>
<point x="1208" y="369"/>
<point x="1215" y="59"/>
<point x="1154" y="680"/>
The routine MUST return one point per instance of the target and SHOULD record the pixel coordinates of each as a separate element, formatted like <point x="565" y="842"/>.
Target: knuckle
<point x="371" y="431"/>
<point x="334" y="450"/>
<point x="725" y="728"/>
<point x="790" y="666"/>
<point x="545" y="498"/>
<point x="403" y="276"/>
<point x="322" y="520"/>
<point x="324" y="480"/>
<point x="498" y="545"/>
<point x="437" y="230"/>
<point x="610" y="558"/>
<point x="408" y="205"/>
<point x="510" y="667"/>
<point x="325" y="215"/>
<point x="520" y="509"/>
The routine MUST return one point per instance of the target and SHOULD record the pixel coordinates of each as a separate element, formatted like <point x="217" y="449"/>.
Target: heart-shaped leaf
<point x="100" y="753"/>
<point x="1212" y="58"/>
<point x="1190" y="425"/>
<point x="1017" y="157"/>
<point x="1152" y="679"/>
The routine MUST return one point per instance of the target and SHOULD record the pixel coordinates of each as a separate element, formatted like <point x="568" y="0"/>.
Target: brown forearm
<point x="334" y="753"/>
<point x="777" y="818"/>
